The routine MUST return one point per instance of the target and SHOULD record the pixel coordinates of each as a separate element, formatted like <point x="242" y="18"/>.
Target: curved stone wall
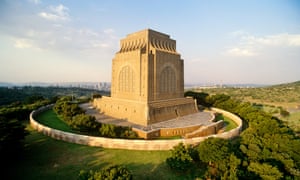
<point x="128" y="143"/>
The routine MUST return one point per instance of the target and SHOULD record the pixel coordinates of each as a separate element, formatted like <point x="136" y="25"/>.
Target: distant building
<point x="147" y="81"/>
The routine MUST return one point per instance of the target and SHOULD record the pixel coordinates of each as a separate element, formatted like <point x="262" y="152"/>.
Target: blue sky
<point x="231" y="41"/>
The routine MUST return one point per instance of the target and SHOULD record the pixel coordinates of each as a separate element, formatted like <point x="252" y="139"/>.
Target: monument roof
<point x="147" y="33"/>
<point x="146" y="38"/>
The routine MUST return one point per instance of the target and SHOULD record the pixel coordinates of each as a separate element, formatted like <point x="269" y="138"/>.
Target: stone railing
<point x="135" y="144"/>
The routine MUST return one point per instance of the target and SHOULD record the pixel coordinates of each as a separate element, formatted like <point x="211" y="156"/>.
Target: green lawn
<point x="47" y="158"/>
<point x="230" y="124"/>
<point x="50" y="118"/>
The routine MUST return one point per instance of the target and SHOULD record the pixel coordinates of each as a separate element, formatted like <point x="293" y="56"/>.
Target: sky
<point x="221" y="42"/>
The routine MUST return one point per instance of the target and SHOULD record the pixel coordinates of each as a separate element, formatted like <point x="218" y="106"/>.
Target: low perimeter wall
<point x="128" y="143"/>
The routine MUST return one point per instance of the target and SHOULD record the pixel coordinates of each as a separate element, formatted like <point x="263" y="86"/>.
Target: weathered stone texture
<point x="147" y="81"/>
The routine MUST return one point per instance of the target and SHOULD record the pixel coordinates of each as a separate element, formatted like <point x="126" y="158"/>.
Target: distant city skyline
<point x="221" y="42"/>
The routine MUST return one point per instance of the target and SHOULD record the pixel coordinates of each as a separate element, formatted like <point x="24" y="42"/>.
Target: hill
<point x="271" y="99"/>
<point x="13" y="94"/>
<point x="284" y="95"/>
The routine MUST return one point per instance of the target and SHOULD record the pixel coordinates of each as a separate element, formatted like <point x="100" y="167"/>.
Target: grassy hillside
<point x="285" y="95"/>
<point x="47" y="158"/>
<point x="10" y="95"/>
<point x="271" y="99"/>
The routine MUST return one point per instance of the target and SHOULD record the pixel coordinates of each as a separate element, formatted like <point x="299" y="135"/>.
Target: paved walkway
<point x="200" y="118"/>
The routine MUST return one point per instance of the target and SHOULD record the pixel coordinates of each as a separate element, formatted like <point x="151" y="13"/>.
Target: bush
<point x="97" y="96"/>
<point x="284" y="113"/>
<point x="113" y="131"/>
<point x="84" y="123"/>
<point x="181" y="158"/>
<point x="108" y="130"/>
<point x="67" y="109"/>
<point x="109" y="173"/>
<point x="201" y="97"/>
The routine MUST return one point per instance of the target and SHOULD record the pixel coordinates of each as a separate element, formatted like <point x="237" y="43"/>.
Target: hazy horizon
<point x="221" y="42"/>
<point x="37" y="83"/>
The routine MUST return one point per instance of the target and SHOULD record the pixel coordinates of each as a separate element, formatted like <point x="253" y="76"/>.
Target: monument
<point x="147" y="84"/>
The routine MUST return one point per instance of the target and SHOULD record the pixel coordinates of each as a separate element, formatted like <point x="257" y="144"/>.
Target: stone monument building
<point x="147" y="81"/>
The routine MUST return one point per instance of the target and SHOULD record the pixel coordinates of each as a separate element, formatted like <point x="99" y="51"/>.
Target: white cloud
<point x="35" y="1"/>
<point x="87" y="32"/>
<point x="109" y="31"/>
<point x="56" y="13"/>
<point x="250" y="45"/>
<point x="240" y="52"/>
<point x="23" y="43"/>
<point x="275" y="40"/>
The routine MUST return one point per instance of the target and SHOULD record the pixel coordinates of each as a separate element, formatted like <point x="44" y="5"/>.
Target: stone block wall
<point x="128" y="143"/>
<point x="206" y="130"/>
<point x="132" y="111"/>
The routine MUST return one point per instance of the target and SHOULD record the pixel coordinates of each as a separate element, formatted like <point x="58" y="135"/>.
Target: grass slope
<point x="47" y="158"/>
<point x="50" y="118"/>
<point x="230" y="124"/>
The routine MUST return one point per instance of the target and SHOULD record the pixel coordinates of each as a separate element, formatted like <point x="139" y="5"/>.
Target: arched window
<point x="167" y="80"/>
<point x="126" y="79"/>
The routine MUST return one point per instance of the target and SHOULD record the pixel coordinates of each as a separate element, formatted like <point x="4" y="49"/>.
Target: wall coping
<point x="130" y="144"/>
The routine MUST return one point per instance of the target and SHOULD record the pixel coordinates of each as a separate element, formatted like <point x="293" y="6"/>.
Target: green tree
<point x="213" y="150"/>
<point x="265" y="171"/>
<point x="284" y="113"/>
<point x="115" y="172"/>
<point x="201" y="97"/>
<point x="181" y="158"/>
<point x="219" y="156"/>
<point x="67" y="109"/>
<point x="84" y="123"/>
<point x="96" y="95"/>
<point x="108" y="130"/>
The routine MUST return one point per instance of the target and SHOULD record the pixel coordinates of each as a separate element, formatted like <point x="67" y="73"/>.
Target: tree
<point x="284" y="113"/>
<point x="115" y="172"/>
<point x="67" y="109"/>
<point x="108" y="130"/>
<point x="201" y="97"/>
<point x="213" y="150"/>
<point x="113" y="131"/>
<point x="220" y="158"/>
<point x="265" y="171"/>
<point x="217" y="99"/>
<point x="34" y="98"/>
<point x="96" y="95"/>
<point x="181" y="158"/>
<point x="84" y="123"/>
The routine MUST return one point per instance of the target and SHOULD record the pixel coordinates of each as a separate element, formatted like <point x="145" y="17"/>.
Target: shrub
<point x="67" y="109"/>
<point x="284" y="113"/>
<point x="181" y="158"/>
<point x="128" y="134"/>
<point x="97" y="96"/>
<point x="109" y="173"/>
<point x="113" y="131"/>
<point x="108" y="130"/>
<point x="84" y="123"/>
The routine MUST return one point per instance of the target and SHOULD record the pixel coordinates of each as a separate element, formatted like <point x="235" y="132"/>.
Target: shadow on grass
<point x="45" y="158"/>
<point x="162" y="171"/>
